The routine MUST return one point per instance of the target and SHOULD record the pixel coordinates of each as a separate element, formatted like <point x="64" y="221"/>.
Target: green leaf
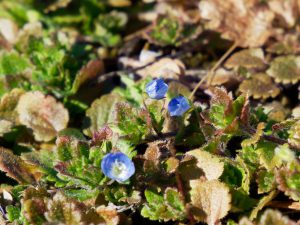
<point x="241" y="201"/>
<point x="13" y="214"/>
<point x="166" y="31"/>
<point x="81" y="194"/>
<point x="164" y="207"/>
<point x="266" y="181"/>
<point x="255" y="137"/>
<point x="235" y="175"/>
<point x="12" y="63"/>
<point x="133" y="123"/>
<point x="266" y="154"/>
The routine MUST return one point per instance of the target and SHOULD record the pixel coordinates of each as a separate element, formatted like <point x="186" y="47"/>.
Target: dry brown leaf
<point x="8" y="29"/>
<point x="165" y="67"/>
<point x="249" y="58"/>
<point x="210" y="164"/>
<point x="286" y="43"/>
<point x="277" y="111"/>
<point x="88" y="72"/>
<point x="17" y="168"/>
<point x="57" y="5"/>
<point x="259" y="85"/>
<point x="223" y="76"/>
<point x="286" y="10"/>
<point x="246" y="22"/>
<point x="110" y="215"/>
<point x="43" y="114"/>
<point x="285" y="69"/>
<point x="119" y="3"/>
<point x="212" y="198"/>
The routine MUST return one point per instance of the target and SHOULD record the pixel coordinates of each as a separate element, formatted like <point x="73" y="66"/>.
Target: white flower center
<point x="119" y="169"/>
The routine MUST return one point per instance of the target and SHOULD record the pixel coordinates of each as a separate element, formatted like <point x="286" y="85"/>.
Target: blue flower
<point x="157" y="88"/>
<point x="178" y="106"/>
<point x="117" y="166"/>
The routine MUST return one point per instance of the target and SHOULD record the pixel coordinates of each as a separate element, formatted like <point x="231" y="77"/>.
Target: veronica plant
<point x="157" y="88"/>
<point x="117" y="166"/>
<point x="178" y="106"/>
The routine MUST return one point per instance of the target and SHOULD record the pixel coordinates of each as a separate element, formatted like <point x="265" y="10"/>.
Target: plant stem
<point x="250" y="130"/>
<point x="285" y="205"/>
<point x="181" y="188"/>
<point x="210" y="75"/>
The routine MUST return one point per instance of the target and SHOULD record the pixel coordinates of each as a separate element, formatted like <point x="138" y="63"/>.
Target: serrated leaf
<point x="294" y="134"/>
<point x="155" y="109"/>
<point x="274" y="217"/>
<point x="236" y="175"/>
<point x="265" y="181"/>
<point x="212" y="198"/>
<point x="101" y="113"/>
<point x="285" y="69"/>
<point x="288" y="180"/>
<point x="249" y="58"/>
<point x="258" y="86"/>
<point x="164" y="208"/>
<point x="256" y="137"/>
<point x="17" y="168"/>
<point x="266" y="154"/>
<point x="133" y="123"/>
<point x="241" y="201"/>
<point x="43" y="114"/>
<point x="211" y="165"/>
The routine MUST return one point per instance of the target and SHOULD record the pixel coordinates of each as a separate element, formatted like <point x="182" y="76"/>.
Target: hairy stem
<point x="181" y="188"/>
<point x="250" y="130"/>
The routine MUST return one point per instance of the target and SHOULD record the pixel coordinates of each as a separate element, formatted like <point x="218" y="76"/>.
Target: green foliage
<point x="164" y="206"/>
<point x="72" y="90"/>
<point x="12" y="63"/>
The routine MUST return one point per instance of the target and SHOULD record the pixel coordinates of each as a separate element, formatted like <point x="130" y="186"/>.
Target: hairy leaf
<point x="17" y="168"/>
<point x="101" y="113"/>
<point x="43" y="114"/>
<point x="164" y="207"/>
<point x="212" y="198"/>
<point x="256" y="137"/>
<point x="210" y="164"/>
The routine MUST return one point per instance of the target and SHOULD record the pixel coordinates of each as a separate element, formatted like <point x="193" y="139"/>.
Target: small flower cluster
<point x="157" y="89"/>
<point x="118" y="166"/>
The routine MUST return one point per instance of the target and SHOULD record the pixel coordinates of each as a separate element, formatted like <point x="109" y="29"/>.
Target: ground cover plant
<point x="149" y="112"/>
